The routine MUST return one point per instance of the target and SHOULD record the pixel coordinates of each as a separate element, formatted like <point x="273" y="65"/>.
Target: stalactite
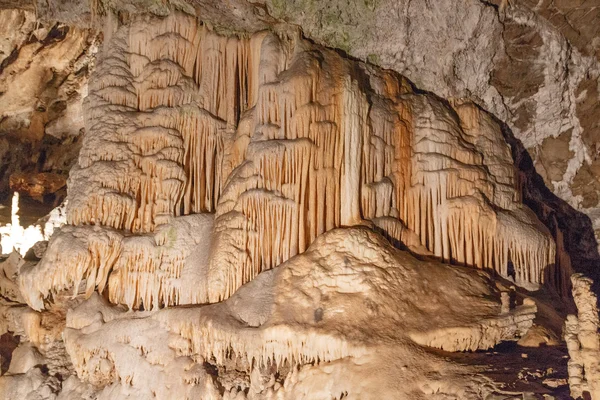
<point x="91" y="253"/>
<point x="168" y="88"/>
<point x="283" y="140"/>
<point x="142" y="270"/>
<point x="279" y="346"/>
<point x="353" y="124"/>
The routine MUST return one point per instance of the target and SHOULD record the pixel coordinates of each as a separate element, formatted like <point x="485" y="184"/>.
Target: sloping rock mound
<point x="346" y="307"/>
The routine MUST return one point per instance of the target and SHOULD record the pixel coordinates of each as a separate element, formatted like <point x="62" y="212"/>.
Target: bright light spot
<point x="14" y="236"/>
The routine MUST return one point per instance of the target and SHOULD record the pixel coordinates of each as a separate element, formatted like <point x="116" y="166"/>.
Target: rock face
<point x="37" y="185"/>
<point x="43" y="80"/>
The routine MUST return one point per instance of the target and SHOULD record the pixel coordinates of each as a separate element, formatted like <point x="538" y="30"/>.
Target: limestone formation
<point x="254" y="215"/>
<point x="284" y="141"/>
<point x="582" y="334"/>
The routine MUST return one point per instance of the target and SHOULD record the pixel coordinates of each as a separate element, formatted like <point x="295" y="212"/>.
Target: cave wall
<point x="44" y="69"/>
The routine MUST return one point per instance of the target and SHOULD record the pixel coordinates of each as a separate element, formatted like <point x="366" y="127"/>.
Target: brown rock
<point x="518" y="75"/>
<point x="588" y="110"/>
<point x="587" y="185"/>
<point x="553" y="157"/>
<point x="37" y="185"/>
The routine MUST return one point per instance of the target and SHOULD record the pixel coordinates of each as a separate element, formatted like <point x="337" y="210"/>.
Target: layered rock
<point x="284" y="140"/>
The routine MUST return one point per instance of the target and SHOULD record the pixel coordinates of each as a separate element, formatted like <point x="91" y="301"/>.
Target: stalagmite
<point x="582" y="334"/>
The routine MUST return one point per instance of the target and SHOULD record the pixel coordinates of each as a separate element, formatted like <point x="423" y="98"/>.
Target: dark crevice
<point x="9" y="60"/>
<point x="8" y="344"/>
<point x="576" y="229"/>
<point x="56" y="34"/>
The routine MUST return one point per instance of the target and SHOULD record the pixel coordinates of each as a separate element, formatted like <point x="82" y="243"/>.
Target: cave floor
<point x="536" y="371"/>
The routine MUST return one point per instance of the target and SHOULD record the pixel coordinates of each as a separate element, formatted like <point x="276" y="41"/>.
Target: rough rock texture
<point x="44" y="69"/>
